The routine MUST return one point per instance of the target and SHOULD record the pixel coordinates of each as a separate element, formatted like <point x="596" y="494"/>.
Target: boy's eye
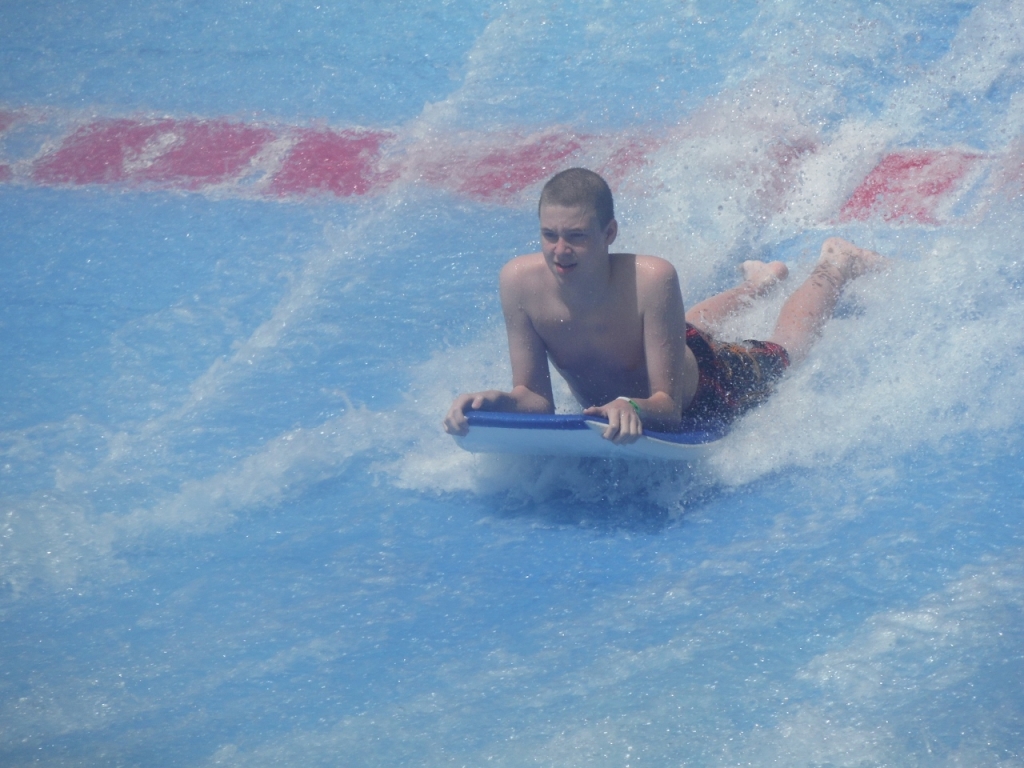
<point x="570" y="237"/>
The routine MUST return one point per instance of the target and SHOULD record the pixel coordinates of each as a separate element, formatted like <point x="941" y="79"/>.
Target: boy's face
<point x="572" y="241"/>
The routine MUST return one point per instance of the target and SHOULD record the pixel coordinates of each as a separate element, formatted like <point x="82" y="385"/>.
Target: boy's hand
<point x="624" y="425"/>
<point x="455" y="422"/>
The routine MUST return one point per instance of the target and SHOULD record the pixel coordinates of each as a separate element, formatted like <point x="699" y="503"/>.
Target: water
<point x="250" y="253"/>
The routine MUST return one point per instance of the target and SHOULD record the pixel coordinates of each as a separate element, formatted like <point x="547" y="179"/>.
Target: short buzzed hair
<point x="579" y="187"/>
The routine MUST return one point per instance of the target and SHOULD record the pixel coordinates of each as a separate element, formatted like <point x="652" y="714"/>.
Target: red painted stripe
<point x="7" y="119"/>
<point x="199" y="153"/>
<point x="195" y="154"/>
<point x="343" y="163"/>
<point x="501" y="173"/>
<point x="98" y="152"/>
<point x="188" y="154"/>
<point x="910" y="185"/>
<point x="628" y="157"/>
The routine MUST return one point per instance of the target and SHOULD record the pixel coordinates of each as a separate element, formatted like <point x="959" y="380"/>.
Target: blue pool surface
<point x="232" y="532"/>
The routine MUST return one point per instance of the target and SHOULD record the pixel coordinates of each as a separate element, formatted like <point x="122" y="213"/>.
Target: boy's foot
<point x="849" y="260"/>
<point x="763" y="275"/>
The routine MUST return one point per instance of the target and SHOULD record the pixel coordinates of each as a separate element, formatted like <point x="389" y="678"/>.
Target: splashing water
<point x="251" y="255"/>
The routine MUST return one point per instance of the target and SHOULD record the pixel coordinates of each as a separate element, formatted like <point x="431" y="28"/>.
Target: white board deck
<point x="567" y="435"/>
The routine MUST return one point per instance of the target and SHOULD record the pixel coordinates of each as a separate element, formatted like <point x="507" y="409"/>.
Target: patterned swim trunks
<point x="733" y="377"/>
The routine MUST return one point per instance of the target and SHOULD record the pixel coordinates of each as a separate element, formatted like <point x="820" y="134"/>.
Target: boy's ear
<point x="611" y="232"/>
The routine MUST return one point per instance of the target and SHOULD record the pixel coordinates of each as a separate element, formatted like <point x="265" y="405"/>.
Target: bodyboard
<point x="576" y="435"/>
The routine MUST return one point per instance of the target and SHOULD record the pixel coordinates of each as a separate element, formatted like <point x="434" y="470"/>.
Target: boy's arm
<point x="531" y="379"/>
<point x="670" y="363"/>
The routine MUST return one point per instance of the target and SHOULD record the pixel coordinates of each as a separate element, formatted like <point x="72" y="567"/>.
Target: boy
<point x="614" y="327"/>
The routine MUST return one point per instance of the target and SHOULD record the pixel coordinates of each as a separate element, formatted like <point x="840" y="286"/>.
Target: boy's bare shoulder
<point x="653" y="273"/>
<point x="523" y="264"/>
<point x="657" y="283"/>
<point x="654" y="268"/>
<point x="523" y="270"/>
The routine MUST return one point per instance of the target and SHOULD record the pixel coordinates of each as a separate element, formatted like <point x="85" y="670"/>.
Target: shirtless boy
<point x="614" y="327"/>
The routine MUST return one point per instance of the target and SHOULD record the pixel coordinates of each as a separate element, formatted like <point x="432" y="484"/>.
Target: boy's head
<point x="578" y="187"/>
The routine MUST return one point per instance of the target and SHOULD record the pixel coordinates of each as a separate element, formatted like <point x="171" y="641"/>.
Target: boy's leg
<point x="810" y="306"/>
<point x="758" y="278"/>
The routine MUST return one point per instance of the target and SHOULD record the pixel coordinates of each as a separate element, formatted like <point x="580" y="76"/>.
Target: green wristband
<point x="635" y="406"/>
